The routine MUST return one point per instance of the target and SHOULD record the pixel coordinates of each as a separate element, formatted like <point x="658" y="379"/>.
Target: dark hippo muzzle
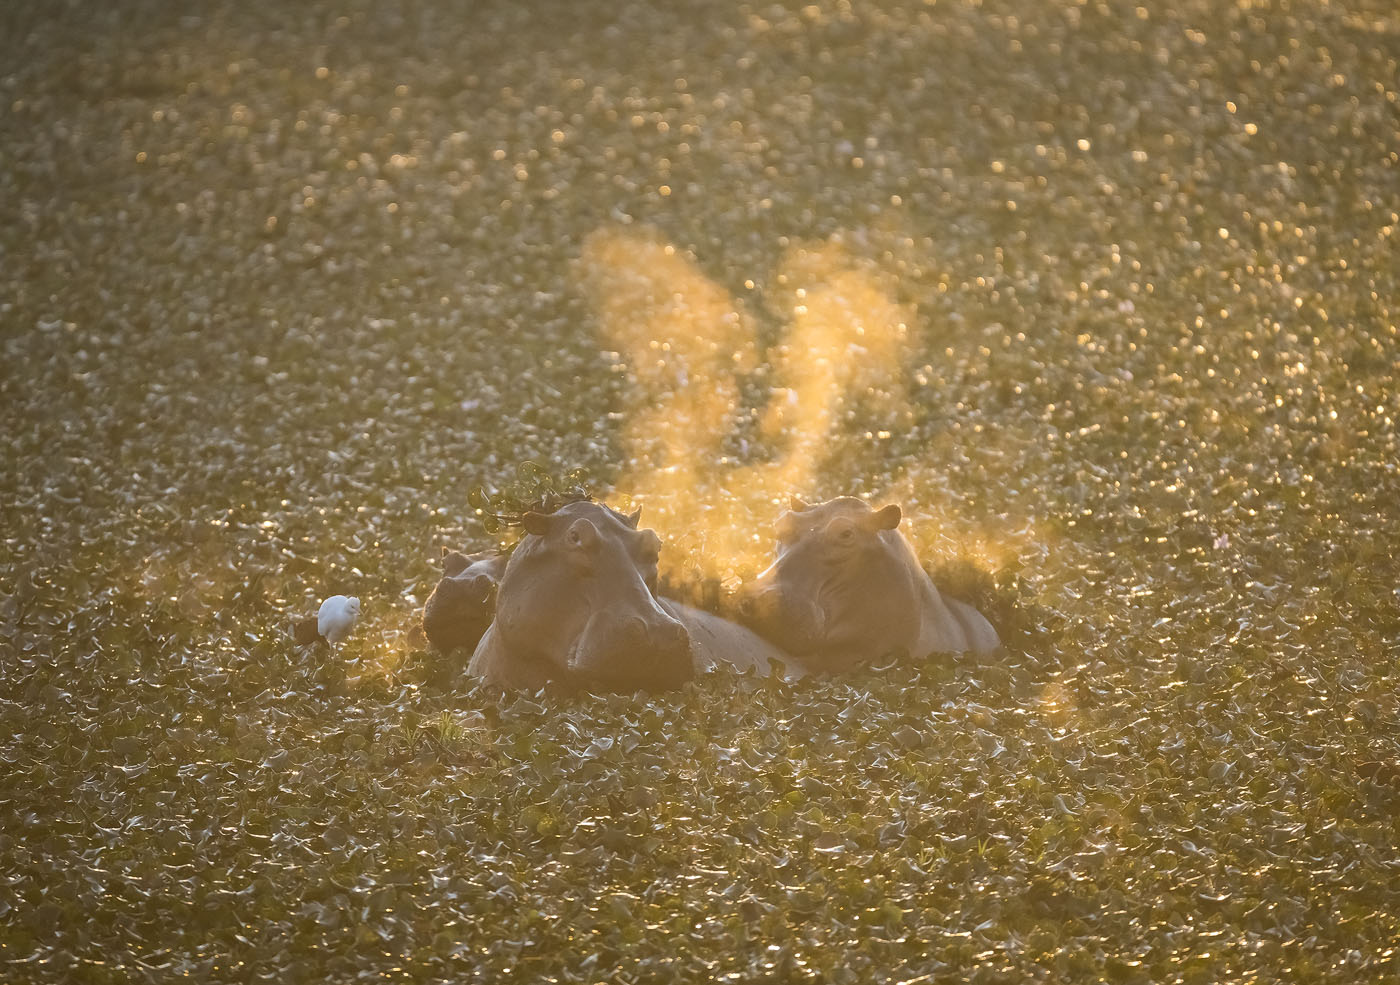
<point x="623" y="651"/>
<point x="793" y="623"/>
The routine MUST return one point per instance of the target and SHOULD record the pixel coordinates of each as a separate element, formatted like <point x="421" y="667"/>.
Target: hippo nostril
<point x="673" y="637"/>
<point x="760" y="604"/>
<point x="482" y="587"/>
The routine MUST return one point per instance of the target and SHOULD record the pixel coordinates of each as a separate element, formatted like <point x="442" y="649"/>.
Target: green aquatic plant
<point x="278" y="287"/>
<point x="534" y="489"/>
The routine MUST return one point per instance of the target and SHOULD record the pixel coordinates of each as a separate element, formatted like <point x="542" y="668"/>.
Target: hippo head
<point x="839" y="586"/>
<point x="578" y="601"/>
<point x="464" y="601"/>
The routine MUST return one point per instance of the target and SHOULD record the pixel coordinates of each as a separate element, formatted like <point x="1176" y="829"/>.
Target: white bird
<point x="332" y="623"/>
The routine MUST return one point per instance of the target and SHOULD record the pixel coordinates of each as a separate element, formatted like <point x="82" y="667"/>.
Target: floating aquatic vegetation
<point x="277" y="292"/>
<point x="533" y="490"/>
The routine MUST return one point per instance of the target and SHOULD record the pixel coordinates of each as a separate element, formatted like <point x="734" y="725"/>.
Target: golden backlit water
<point x="1103" y="294"/>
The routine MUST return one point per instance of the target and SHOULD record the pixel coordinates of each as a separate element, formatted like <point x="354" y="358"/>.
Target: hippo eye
<point x="846" y="536"/>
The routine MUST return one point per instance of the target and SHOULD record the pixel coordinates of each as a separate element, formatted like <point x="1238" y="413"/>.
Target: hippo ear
<point x="798" y="505"/>
<point x="535" y="523"/>
<point x="888" y="518"/>
<point x="454" y="562"/>
<point x="582" y="534"/>
<point x="634" y="518"/>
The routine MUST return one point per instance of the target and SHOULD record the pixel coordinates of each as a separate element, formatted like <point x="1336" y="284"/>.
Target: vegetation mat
<point x="282" y="284"/>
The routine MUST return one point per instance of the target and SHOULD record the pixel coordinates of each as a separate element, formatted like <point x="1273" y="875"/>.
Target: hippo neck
<point x="930" y="632"/>
<point x="939" y="629"/>
<point x="905" y="568"/>
<point x="904" y="551"/>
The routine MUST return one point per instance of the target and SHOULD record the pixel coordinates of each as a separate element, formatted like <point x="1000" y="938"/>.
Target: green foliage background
<point x="281" y="284"/>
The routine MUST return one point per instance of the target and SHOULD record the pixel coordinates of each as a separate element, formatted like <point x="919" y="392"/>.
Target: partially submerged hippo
<point x="577" y="608"/>
<point x="846" y="589"/>
<point x="464" y="601"/>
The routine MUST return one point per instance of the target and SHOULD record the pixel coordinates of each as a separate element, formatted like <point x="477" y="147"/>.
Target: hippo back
<point x="718" y="643"/>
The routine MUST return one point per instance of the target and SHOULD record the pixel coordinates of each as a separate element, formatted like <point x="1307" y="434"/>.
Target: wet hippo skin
<point x="577" y="608"/>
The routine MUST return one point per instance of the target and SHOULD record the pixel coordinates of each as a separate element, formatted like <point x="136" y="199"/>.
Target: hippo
<point x="464" y="601"/>
<point x="846" y="589"/>
<point x="577" y="609"/>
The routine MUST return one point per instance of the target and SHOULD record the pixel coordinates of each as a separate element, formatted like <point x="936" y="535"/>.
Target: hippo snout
<point x="636" y="651"/>
<point x="791" y="622"/>
<point x="764" y="600"/>
<point x="672" y="639"/>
